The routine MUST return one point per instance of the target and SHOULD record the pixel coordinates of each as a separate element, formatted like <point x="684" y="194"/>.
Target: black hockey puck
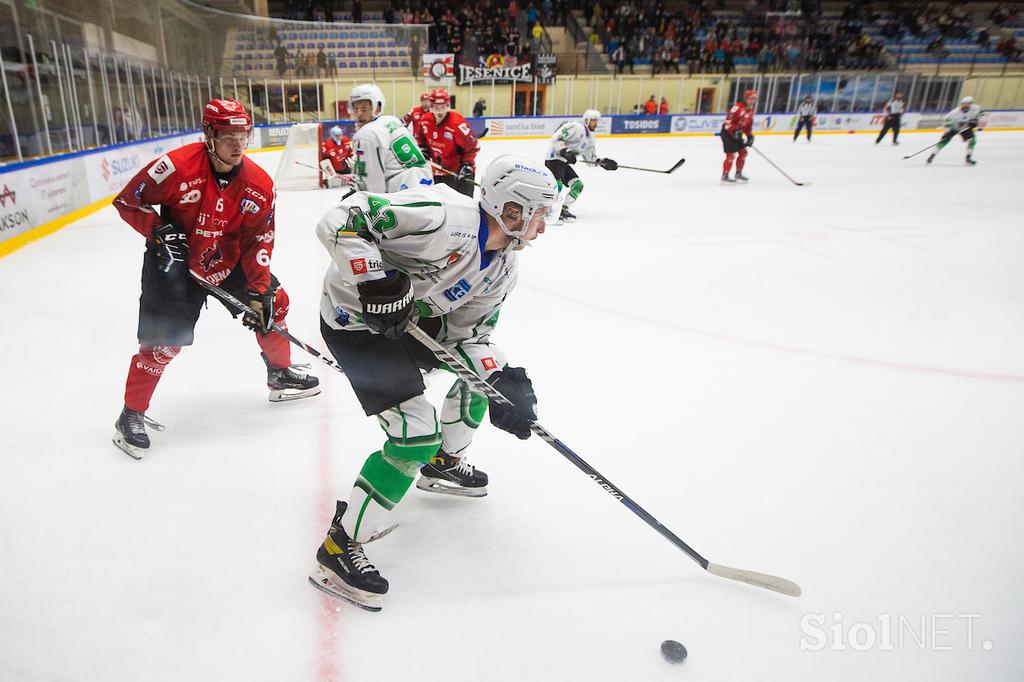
<point x="673" y="651"/>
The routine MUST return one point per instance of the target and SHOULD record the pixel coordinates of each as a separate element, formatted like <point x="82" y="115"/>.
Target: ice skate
<point x="726" y="178"/>
<point x="930" y="159"/>
<point x="566" y="216"/>
<point x="450" y="475"/>
<point x="741" y="177"/>
<point x="286" y="384"/>
<point x="343" y="571"/>
<point x="131" y="433"/>
<point x="971" y="162"/>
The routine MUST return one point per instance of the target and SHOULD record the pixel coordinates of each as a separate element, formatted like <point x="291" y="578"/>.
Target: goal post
<point x="299" y="167"/>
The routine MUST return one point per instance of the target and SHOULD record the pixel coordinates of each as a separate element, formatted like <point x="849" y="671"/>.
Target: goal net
<point x="299" y="167"/>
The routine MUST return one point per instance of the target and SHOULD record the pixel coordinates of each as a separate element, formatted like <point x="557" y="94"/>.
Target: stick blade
<point x="679" y="163"/>
<point x="768" y="582"/>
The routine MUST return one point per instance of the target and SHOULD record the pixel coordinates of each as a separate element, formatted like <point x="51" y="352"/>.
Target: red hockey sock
<point x="274" y="346"/>
<point x="144" y="374"/>
<point x="727" y="166"/>
<point x="741" y="159"/>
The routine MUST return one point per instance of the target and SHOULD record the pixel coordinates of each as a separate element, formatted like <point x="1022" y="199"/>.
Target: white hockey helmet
<point x="591" y="115"/>
<point x="367" y="91"/>
<point x="515" y="179"/>
<point x="967" y="100"/>
<point x="336" y="134"/>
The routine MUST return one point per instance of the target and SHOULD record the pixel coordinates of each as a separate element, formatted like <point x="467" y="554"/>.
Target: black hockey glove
<point x="387" y="304"/>
<point x="263" y="307"/>
<point x="466" y="172"/>
<point x="569" y="156"/>
<point x="170" y="244"/>
<point x="607" y="164"/>
<point x="514" y="384"/>
<point x="750" y="140"/>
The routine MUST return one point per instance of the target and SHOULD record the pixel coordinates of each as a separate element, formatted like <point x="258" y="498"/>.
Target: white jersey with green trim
<point x="387" y="159"/>
<point x="573" y="136"/>
<point x="434" y="235"/>
<point x="958" y="119"/>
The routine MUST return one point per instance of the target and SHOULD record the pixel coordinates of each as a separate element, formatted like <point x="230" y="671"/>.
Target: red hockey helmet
<point x="425" y="97"/>
<point x="440" y="97"/>
<point x="750" y="93"/>
<point x="226" y="114"/>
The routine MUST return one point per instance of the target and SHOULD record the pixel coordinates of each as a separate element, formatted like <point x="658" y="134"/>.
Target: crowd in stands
<point x="470" y="29"/>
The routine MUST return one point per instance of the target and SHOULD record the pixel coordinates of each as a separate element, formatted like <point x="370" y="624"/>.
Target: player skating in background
<point x="446" y="136"/>
<point x="961" y="121"/>
<point x="416" y="114"/>
<point x="805" y="117"/>
<point x="451" y="261"/>
<point x="386" y="156"/>
<point x="893" y="111"/>
<point x="335" y="152"/>
<point x="572" y="141"/>
<point x="203" y="207"/>
<point x="738" y="123"/>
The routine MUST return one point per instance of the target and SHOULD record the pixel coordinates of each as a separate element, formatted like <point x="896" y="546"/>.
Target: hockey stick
<point x="768" y="582"/>
<point x="452" y="173"/>
<point x="243" y="308"/>
<point x="959" y="132"/>
<point x="679" y="163"/>
<point x="772" y="164"/>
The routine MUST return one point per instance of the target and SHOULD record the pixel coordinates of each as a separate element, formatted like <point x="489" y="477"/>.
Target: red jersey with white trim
<point x="338" y="154"/>
<point x="739" y="118"/>
<point x="450" y="143"/>
<point x="415" y="117"/>
<point x="226" y="226"/>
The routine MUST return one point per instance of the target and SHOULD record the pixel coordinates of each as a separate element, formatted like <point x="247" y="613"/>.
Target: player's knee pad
<point x="414" y="432"/>
<point x="280" y="305"/>
<point x="464" y="405"/>
<point x="154" y="359"/>
<point x="575" y="188"/>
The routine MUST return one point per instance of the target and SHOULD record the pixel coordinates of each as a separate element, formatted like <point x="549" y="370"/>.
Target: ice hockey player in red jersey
<point x="336" y="150"/>
<point x="203" y="207"/>
<point x="449" y="142"/>
<point x="738" y="124"/>
<point x="414" y="117"/>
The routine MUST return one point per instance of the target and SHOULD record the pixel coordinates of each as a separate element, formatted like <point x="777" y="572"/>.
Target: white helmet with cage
<point x="515" y="179"/>
<point x="336" y="134"/>
<point x="368" y="91"/>
<point x="591" y="115"/>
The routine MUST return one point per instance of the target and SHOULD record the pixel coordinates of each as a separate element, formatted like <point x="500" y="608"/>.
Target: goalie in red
<point x="207" y="209"/>
<point x="335" y="153"/>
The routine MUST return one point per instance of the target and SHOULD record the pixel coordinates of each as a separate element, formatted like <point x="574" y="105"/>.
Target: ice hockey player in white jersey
<point x="386" y="156"/>
<point x="961" y="121"/>
<point x="450" y="261"/>
<point x="572" y="141"/>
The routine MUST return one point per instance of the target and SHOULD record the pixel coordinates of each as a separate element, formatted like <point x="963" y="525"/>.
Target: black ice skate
<point x="566" y="216"/>
<point x="971" y="162"/>
<point x="930" y="159"/>
<point x="740" y="176"/>
<point x="726" y="178"/>
<point x="450" y="475"/>
<point x="131" y="433"/>
<point x="286" y="384"/>
<point x="343" y="571"/>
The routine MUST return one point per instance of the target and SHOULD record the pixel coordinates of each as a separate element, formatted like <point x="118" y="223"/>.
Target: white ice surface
<point x="825" y="383"/>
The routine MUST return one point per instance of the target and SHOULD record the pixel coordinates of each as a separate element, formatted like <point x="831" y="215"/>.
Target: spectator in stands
<point x="619" y="57"/>
<point x="328" y="6"/>
<point x="663" y="107"/>
<point x="300" y="64"/>
<point x="480" y="107"/>
<point x="357" y="11"/>
<point x="281" y="58"/>
<point x="998" y="15"/>
<point x="1008" y="49"/>
<point x="321" y="62"/>
<point x="389" y="13"/>
<point x="651" y="106"/>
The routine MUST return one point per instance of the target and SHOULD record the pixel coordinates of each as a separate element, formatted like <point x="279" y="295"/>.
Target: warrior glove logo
<point x="211" y="256"/>
<point x="392" y="307"/>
